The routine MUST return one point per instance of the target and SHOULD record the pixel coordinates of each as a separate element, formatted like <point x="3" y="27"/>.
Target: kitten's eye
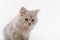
<point x="26" y="19"/>
<point x="32" y="20"/>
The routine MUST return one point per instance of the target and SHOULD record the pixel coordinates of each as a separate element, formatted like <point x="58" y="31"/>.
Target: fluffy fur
<point x="19" y="28"/>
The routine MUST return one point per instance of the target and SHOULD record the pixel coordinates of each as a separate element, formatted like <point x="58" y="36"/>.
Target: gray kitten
<point x="19" y="28"/>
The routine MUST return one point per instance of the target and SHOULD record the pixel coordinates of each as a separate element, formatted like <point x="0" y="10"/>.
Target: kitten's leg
<point x="16" y="36"/>
<point x="24" y="38"/>
<point x="7" y="39"/>
<point x="19" y="37"/>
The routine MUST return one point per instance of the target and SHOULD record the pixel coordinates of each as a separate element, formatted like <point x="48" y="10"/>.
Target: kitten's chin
<point x="27" y="26"/>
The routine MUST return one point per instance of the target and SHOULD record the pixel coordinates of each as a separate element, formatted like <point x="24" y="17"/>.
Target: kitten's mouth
<point x="28" y="24"/>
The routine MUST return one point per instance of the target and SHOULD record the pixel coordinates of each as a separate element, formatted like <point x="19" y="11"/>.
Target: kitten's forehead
<point x="31" y="14"/>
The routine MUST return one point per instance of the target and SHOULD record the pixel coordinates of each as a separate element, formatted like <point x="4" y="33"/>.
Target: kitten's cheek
<point x="26" y="24"/>
<point x="35" y="22"/>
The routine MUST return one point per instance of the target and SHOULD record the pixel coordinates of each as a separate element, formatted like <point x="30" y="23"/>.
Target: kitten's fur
<point x="20" y="27"/>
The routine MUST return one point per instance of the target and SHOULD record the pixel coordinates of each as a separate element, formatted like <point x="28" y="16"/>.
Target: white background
<point x="48" y="26"/>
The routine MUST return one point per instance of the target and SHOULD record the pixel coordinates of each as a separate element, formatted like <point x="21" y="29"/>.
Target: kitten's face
<point x="28" y="18"/>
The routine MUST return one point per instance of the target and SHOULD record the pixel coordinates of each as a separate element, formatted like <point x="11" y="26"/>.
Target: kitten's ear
<point x="23" y="10"/>
<point x="37" y="10"/>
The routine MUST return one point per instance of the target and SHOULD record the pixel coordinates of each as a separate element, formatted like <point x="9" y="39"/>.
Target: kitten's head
<point x="28" y="17"/>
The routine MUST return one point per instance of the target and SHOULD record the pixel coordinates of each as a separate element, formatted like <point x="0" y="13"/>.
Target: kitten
<point x="19" y="28"/>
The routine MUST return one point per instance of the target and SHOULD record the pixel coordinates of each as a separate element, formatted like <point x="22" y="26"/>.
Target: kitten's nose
<point x="29" y="23"/>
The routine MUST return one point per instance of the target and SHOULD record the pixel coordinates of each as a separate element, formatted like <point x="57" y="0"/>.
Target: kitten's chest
<point x="21" y="34"/>
<point x="25" y="34"/>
